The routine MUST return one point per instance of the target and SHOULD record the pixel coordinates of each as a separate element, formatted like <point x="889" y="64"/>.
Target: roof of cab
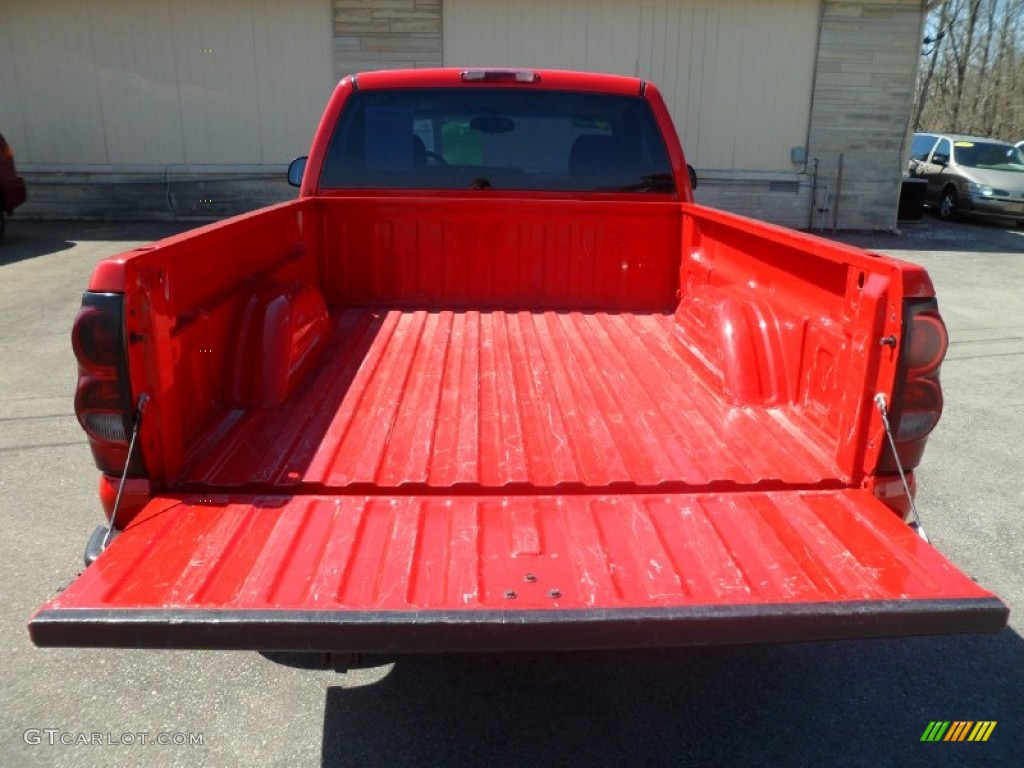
<point x="549" y="79"/>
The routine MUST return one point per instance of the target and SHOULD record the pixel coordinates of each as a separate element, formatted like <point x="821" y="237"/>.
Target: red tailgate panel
<point x="426" y="573"/>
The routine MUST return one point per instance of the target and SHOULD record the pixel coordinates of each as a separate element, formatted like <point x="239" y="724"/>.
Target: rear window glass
<point x="497" y="138"/>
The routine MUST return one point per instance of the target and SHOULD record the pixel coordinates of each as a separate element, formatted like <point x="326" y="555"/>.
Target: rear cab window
<point x="497" y="138"/>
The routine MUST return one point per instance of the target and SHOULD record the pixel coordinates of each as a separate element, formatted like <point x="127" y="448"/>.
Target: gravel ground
<point x="845" y="703"/>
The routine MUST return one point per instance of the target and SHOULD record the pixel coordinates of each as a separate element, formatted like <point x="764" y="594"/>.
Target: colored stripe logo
<point x="958" y="730"/>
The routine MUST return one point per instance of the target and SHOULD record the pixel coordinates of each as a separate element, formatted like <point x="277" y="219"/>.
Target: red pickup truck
<point x="494" y="381"/>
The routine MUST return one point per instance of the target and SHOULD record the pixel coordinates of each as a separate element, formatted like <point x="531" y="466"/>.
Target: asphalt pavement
<point x="859" y="703"/>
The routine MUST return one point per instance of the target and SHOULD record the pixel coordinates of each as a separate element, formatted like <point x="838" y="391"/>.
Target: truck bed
<point x="513" y="400"/>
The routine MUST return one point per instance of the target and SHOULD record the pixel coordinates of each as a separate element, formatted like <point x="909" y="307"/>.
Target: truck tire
<point x="947" y="204"/>
<point x="3" y="225"/>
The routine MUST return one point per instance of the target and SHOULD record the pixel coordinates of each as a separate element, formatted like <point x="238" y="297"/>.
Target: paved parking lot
<point x="850" y="703"/>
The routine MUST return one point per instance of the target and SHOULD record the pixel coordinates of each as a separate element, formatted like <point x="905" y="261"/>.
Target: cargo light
<point x="499" y="76"/>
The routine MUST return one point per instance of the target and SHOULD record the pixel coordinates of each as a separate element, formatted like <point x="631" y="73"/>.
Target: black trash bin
<point x="912" y="199"/>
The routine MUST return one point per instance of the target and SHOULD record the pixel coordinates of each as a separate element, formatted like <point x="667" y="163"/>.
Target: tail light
<point x="917" y="400"/>
<point x="103" y="399"/>
<point x="7" y="152"/>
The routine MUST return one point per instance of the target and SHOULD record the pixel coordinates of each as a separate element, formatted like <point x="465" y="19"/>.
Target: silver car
<point x="970" y="175"/>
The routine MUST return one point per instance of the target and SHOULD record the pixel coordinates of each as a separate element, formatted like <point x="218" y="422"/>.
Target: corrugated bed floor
<point x="633" y="550"/>
<point x="507" y="399"/>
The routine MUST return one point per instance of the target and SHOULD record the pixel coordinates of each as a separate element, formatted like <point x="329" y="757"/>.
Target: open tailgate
<point x="433" y="573"/>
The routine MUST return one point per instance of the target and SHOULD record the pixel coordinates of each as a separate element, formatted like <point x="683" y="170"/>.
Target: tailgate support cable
<point x="915" y="521"/>
<point x="143" y="400"/>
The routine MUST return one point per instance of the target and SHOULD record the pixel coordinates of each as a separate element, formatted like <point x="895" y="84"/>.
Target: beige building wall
<point x="737" y="74"/>
<point x="177" y="108"/>
<point x="130" y="85"/>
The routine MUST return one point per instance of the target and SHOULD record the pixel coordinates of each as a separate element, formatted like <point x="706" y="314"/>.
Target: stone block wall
<point x="864" y="88"/>
<point x="386" y="34"/>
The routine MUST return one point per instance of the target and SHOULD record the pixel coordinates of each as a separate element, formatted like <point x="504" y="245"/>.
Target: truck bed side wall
<point x="773" y="317"/>
<point x="187" y="300"/>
